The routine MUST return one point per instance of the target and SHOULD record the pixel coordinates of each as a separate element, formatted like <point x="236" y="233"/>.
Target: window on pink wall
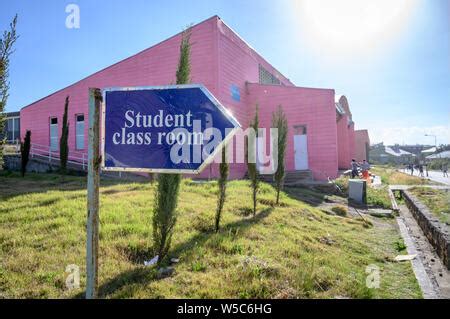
<point x="79" y="131"/>
<point x="265" y="77"/>
<point x="54" y="133"/>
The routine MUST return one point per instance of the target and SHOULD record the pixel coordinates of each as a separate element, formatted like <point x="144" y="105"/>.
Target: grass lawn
<point x="437" y="200"/>
<point x="291" y="251"/>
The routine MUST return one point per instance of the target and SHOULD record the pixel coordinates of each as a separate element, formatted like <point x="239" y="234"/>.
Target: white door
<point x="301" y="152"/>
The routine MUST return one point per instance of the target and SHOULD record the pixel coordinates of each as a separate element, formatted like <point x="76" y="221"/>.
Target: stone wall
<point x="13" y="163"/>
<point x="436" y="232"/>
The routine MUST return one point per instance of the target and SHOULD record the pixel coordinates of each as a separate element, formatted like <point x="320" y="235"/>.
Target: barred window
<point x="265" y="77"/>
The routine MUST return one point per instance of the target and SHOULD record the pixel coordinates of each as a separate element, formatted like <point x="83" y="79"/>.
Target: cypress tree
<point x="63" y="141"/>
<point x="6" y="49"/>
<point x="224" y="169"/>
<point x="25" y="152"/>
<point x="279" y="121"/>
<point x="251" y="160"/>
<point x="164" y="216"/>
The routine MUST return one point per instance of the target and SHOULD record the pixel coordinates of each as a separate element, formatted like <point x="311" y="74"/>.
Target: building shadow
<point x="314" y="196"/>
<point x="201" y="238"/>
<point x="13" y="185"/>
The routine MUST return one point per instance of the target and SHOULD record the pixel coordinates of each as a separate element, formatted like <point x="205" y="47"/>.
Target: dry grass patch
<point x="276" y="254"/>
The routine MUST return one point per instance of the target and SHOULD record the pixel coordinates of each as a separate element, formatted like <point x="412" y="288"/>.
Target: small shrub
<point x="399" y="245"/>
<point x="271" y="202"/>
<point x="340" y="210"/>
<point x="258" y="289"/>
<point x="198" y="266"/>
<point x="244" y="211"/>
<point x="201" y="223"/>
<point x="365" y="222"/>
<point x="236" y="249"/>
<point x="215" y="242"/>
<point x="305" y="279"/>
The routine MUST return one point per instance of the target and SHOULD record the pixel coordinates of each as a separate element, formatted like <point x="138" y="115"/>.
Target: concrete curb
<point x="422" y="277"/>
<point x="433" y="229"/>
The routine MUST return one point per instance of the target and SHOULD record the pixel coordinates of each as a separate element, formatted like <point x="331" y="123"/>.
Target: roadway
<point x="436" y="176"/>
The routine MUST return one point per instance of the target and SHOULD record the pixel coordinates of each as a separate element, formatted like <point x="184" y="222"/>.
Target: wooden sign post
<point x="94" y="160"/>
<point x="183" y="108"/>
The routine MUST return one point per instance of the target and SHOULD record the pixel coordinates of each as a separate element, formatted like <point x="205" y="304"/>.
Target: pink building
<point x="321" y="130"/>
<point x="362" y="145"/>
<point x="345" y="132"/>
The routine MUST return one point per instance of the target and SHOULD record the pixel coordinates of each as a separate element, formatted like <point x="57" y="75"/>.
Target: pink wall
<point x="314" y="108"/>
<point x="343" y="142"/>
<point x="238" y="64"/>
<point x="351" y="140"/>
<point x="153" y="66"/>
<point x="345" y="133"/>
<point x="361" y="139"/>
<point x="219" y="59"/>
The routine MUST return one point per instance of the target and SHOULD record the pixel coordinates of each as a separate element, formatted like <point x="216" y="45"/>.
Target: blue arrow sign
<point x="167" y="129"/>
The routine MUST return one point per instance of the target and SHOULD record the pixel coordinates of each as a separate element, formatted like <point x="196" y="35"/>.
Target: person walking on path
<point x="354" y="167"/>
<point x="412" y="169"/>
<point x="444" y="170"/>
<point x="421" y="170"/>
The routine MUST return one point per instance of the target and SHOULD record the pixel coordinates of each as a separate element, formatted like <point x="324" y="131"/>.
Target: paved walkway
<point x="404" y="187"/>
<point x="438" y="177"/>
<point x="433" y="175"/>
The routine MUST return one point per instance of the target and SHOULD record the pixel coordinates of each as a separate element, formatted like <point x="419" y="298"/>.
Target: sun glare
<point x="352" y="26"/>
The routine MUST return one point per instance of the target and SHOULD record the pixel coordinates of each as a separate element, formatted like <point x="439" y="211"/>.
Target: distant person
<point x="411" y="167"/>
<point x="365" y="166"/>
<point x="354" y="167"/>
<point x="444" y="170"/>
<point x="421" y="170"/>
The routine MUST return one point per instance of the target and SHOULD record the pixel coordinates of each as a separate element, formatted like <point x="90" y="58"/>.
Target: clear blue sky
<point x="395" y="74"/>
